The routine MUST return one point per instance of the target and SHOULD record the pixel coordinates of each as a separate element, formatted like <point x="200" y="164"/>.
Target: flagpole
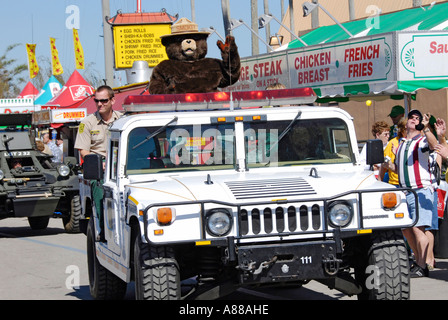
<point x="139" y="6"/>
<point x="108" y="47"/>
<point x="32" y="41"/>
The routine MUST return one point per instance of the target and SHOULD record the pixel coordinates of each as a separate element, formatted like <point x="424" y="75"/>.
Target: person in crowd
<point x="389" y="154"/>
<point x="442" y="147"/>
<point x="380" y="130"/>
<point x="43" y="147"/>
<point x="60" y="145"/>
<point x="16" y="163"/>
<point x="57" y="155"/>
<point x="438" y="128"/>
<point x="413" y="165"/>
<point x="396" y="113"/>
<point x="40" y="146"/>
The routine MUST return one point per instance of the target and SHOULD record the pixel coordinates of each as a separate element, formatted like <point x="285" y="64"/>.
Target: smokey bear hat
<point x="184" y="27"/>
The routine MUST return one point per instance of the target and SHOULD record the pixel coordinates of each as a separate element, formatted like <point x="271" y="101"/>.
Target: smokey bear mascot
<point x="188" y="70"/>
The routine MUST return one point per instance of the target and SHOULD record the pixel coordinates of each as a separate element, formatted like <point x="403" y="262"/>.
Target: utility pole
<point x="226" y="16"/>
<point x="254" y="25"/>
<point x="193" y="11"/>
<point x="267" y="27"/>
<point x="108" y="49"/>
<point x="282" y="10"/>
<point x="291" y="18"/>
<point x="351" y="9"/>
<point x="315" y="16"/>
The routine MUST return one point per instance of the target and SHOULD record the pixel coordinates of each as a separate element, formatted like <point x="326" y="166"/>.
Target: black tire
<point x="103" y="284"/>
<point x="71" y="223"/>
<point x="386" y="271"/>
<point x="39" y="223"/>
<point x="156" y="272"/>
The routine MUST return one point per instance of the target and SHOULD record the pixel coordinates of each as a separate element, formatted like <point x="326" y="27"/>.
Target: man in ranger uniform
<point x="91" y="138"/>
<point x="92" y="131"/>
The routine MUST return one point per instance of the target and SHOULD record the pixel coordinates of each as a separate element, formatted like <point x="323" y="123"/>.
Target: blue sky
<point x="31" y="21"/>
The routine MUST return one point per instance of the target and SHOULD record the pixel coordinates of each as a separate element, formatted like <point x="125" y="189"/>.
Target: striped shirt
<point x="414" y="163"/>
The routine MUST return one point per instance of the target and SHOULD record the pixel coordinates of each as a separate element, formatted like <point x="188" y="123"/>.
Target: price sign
<point x="139" y="42"/>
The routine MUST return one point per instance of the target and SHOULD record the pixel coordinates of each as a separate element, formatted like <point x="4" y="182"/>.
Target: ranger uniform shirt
<point x="92" y="133"/>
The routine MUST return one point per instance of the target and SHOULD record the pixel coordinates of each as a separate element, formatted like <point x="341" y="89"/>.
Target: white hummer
<point x="206" y="193"/>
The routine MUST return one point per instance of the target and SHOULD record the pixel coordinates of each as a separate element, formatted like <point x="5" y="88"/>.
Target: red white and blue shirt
<point x="414" y="162"/>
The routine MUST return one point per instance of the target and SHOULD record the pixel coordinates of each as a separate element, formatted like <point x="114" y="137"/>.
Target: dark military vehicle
<point x="31" y="185"/>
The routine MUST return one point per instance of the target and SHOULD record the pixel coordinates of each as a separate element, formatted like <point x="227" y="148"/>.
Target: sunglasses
<point x="101" y="100"/>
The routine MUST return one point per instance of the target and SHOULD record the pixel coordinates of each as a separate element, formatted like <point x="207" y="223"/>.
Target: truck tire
<point x="156" y="272"/>
<point x="71" y="223"/>
<point x="38" y="223"/>
<point x="385" y="275"/>
<point x="103" y="284"/>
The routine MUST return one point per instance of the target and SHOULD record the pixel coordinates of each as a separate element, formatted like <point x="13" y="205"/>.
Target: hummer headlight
<point x="218" y="222"/>
<point x="63" y="170"/>
<point x="340" y="214"/>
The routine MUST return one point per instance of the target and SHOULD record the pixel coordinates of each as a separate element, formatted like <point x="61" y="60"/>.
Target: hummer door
<point x="111" y="202"/>
<point x="112" y="219"/>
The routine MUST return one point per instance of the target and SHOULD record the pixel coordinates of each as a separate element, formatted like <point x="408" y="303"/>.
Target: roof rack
<point x="218" y="100"/>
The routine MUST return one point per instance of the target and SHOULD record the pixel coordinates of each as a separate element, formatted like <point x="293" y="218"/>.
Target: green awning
<point x="389" y="55"/>
<point x="414" y="19"/>
<point x="412" y="86"/>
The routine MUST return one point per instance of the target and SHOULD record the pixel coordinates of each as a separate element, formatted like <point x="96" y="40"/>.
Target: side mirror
<point x="375" y="153"/>
<point x="93" y="167"/>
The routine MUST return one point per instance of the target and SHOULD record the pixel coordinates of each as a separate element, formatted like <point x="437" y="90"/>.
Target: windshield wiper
<point x="284" y="132"/>
<point x="161" y="129"/>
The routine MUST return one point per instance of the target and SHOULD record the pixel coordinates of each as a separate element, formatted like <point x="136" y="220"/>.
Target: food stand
<point x="66" y="122"/>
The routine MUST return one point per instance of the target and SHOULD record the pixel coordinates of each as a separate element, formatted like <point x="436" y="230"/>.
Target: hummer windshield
<point x="207" y="147"/>
<point x="212" y="146"/>
<point x="282" y="143"/>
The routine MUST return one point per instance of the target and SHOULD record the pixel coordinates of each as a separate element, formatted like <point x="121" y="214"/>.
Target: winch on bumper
<point x="287" y="262"/>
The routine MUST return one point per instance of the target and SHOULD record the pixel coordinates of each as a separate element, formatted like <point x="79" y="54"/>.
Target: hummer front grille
<point x="280" y="219"/>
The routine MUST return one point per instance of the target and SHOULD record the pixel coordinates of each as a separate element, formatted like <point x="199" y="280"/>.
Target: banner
<point x="56" y="65"/>
<point x="79" y="53"/>
<point x="32" y="63"/>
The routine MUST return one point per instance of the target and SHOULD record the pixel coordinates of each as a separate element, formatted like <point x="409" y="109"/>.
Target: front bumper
<point x="31" y="203"/>
<point x="287" y="262"/>
<point x="268" y="221"/>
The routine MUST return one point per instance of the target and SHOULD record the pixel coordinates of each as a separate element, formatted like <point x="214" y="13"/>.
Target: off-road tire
<point x="103" y="284"/>
<point x="71" y="223"/>
<point x="386" y="269"/>
<point x="38" y="223"/>
<point x="156" y="272"/>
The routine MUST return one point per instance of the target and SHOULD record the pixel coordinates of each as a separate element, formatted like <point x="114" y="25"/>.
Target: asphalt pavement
<point x="52" y="265"/>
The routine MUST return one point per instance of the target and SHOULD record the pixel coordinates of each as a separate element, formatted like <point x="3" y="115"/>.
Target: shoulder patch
<point x="81" y="128"/>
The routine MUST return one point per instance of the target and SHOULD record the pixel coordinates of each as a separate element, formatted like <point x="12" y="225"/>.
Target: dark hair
<point x="109" y="90"/>
<point x="415" y="112"/>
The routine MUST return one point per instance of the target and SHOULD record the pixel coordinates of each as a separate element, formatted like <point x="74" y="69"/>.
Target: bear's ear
<point x="166" y="41"/>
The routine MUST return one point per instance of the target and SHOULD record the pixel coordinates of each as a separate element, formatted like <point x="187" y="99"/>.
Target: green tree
<point x="11" y="74"/>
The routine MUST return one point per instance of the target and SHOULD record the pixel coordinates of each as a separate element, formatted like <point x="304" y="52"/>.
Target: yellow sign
<point x="139" y="42"/>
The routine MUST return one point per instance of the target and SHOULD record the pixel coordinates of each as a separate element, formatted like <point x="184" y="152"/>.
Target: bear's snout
<point x="188" y="46"/>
